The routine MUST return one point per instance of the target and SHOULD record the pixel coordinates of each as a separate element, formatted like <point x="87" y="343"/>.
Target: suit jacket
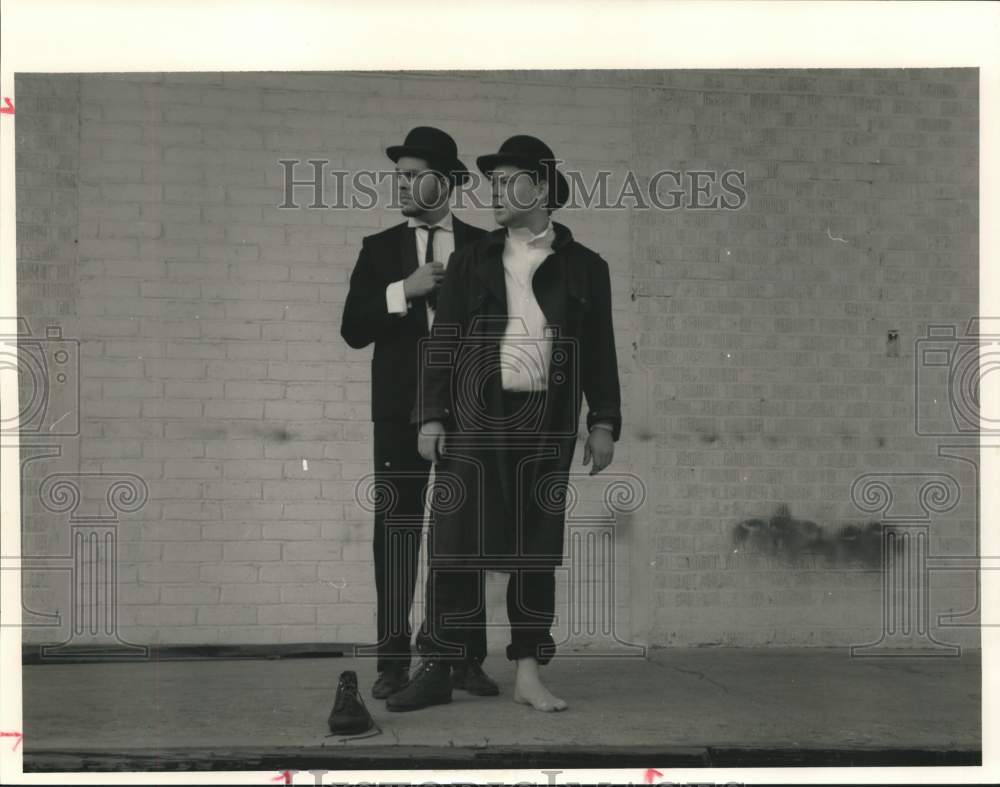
<point x="386" y="257"/>
<point x="488" y="518"/>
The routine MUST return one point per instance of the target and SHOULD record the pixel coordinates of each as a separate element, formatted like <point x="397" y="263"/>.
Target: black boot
<point x="430" y="684"/>
<point x="390" y="681"/>
<point x="349" y="715"/>
<point x="469" y="675"/>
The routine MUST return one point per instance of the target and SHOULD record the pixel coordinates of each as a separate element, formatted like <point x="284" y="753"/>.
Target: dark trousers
<point x="454" y="601"/>
<point x="400" y="479"/>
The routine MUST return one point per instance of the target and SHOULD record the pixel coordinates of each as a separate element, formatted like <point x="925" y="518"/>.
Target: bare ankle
<point x="527" y="666"/>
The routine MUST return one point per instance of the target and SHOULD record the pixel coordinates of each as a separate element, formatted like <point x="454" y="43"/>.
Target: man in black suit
<point x="391" y="303"/>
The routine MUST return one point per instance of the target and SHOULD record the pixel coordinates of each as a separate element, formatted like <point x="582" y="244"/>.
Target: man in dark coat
<point x="391" y="303"/>
<point x="523" y="331"/>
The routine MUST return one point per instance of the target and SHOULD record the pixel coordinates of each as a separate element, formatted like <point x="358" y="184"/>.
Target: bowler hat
<point x="532" y="154"/>
<point x="436" y="147"/>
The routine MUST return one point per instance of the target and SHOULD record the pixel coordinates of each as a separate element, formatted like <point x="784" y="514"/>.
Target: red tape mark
<point x="12" y="735"/>
<point x="652" y="773"/>
<point x="284" y="776"/>
<point x="8" y="109"/>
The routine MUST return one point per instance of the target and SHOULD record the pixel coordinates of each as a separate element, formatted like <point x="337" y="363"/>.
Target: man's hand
<point x="601" y="446"/>
<point x="430" y="442"/>
<point x="424" y="279"/>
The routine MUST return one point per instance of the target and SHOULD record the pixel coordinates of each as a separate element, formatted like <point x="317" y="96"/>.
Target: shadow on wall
<point x="787" y="537"/>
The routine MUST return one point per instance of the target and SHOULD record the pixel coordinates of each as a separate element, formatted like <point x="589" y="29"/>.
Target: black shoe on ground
<point x="430" y="684"/>
<point x="389" y="682"/>
<point x="349" y="715"/>
<point x="469" y="676"/>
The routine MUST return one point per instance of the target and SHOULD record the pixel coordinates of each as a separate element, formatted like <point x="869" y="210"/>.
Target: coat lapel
<point x="408" y="261"/>
<point x="549" y="287"/>
<point x="458" y="231"/>
<point x="554" y="280"/>
<point x="490" y="271"/>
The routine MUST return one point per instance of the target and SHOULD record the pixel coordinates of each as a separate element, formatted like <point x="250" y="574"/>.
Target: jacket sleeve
<point x="434" y="380"/>
<point x="366" y="313"/>
<point x="598" y="357"/>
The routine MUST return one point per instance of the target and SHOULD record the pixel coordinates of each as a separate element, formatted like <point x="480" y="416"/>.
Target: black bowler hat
<point x="435" y="147"/>
<point x="532" y="154"/>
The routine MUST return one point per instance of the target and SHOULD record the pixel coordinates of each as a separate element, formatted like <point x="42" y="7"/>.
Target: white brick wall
<point x="213" y="364"/>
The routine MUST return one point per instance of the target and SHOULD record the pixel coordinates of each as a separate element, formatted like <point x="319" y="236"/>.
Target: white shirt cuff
<point x="395" y="298"/>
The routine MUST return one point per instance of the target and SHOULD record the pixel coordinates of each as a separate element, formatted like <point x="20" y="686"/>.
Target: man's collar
<point x="525" y="236"/>
<point x="445" y="223"/>
<point x="562" y="236"/>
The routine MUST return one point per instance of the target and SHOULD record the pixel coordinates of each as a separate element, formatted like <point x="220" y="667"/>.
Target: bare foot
<point x="529" y="690"/>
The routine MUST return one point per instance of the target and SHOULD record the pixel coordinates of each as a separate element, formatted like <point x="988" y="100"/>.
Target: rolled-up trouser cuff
<point x="542" y="649"/>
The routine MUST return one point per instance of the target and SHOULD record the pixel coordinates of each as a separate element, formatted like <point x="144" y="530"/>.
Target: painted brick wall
<point x="765" y="337"/>
<point x="755" y="367"/>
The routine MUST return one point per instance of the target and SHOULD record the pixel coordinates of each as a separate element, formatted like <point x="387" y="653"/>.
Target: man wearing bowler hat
<point x="524" y="329"/>
<point x="392" y="303"/>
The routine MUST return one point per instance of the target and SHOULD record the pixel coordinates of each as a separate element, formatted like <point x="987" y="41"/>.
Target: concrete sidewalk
<point x="680" y="707"/>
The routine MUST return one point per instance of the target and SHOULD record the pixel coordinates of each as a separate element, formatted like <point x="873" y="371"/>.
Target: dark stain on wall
<point x="278" y="434"/>
<point x="783" y="535"/>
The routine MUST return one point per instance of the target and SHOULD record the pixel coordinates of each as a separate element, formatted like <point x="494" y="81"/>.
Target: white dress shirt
<point x="525" y="349"/>
<point x="444" y="245"/>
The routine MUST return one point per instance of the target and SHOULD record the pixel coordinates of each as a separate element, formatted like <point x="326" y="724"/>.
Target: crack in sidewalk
<point x="702" y="676"/>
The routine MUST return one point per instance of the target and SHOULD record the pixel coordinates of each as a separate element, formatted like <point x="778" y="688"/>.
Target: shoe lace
<point x="425" y="665"/>
<point x="346" y="691"/>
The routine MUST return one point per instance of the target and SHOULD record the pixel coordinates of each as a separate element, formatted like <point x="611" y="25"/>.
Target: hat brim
<point x="558" y="191"/>
<point x="454" y="169"/>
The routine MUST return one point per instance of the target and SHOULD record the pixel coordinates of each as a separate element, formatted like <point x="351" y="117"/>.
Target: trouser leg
<point x="455" y="615"/>
<point x="531" y="603"/>
<point x="475" y="637"/>
<point x="463" y="596"/>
